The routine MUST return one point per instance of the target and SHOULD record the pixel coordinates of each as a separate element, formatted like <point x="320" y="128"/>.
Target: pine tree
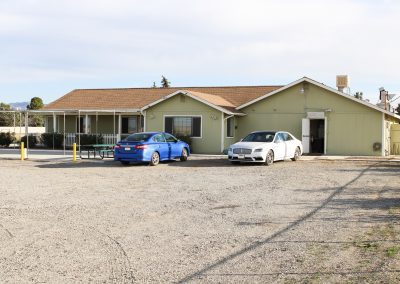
<point x="164" y="82"/>
<point x="154" y="85"/>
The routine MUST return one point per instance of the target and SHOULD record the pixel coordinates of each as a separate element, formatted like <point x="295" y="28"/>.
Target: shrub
<point x="32" y="141"/>
<point x="6" y="138"/>
<point x="52" y="140"/>
<point x="88" y="139"/>
<point x="185" y="138"/>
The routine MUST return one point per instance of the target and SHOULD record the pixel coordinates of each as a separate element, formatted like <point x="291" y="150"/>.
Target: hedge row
<point x="6" y="138"/>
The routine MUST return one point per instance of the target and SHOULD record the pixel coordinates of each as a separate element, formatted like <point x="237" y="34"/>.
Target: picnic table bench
<point x="93" y="150"/>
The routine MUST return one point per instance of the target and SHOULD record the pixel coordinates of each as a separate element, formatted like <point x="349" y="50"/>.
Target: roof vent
<point x="342" y="82"/>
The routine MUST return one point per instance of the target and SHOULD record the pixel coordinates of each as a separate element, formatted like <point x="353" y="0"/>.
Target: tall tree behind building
<point x="6" y="118"/>
<point x="165" y="83"/>
<point x="34" y="119"/>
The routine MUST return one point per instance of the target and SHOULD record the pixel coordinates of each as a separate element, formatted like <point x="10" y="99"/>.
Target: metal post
<point x="64" y="134"/>
<point x="27" y="133"/>
<point x="14" y="131"/>
<point x="114" y="128"/>
<point x="22" y="151"/>
<point x="97" y="122"/>
<point x="119" y="127"/>
<point x="74" y="152"/>
<point x="54" y="127"/>
<point x="79" y="130"/>
<point x="20" y="125"/>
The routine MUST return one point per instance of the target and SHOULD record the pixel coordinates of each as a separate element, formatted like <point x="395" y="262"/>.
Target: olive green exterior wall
<point x="351" y="128"/>
<point x="180" y="105"/>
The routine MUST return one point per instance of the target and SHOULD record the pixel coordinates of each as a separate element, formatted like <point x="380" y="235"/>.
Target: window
<point x="230" y="127"/>
<point x="259" y="137"/>
<point x="183" y="126"/>
<point x="279" y="138"/>
<point x="170" y="138"/>
<point x="138" y="137"/>
<point x="159" y="138"/>
<point x="81" y="124"/>
<point x="287" y="136"/>
<point x="129" y="125"/>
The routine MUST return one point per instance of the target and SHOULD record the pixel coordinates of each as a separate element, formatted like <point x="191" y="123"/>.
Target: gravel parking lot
<point x="200" y="221"/>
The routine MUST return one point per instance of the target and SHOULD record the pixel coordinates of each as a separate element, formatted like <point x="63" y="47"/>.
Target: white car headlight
<point x="230" y="150"/>
<point x="258" y="150"/>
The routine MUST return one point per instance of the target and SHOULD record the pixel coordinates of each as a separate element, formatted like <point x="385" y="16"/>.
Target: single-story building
<point x="326" y="120"/>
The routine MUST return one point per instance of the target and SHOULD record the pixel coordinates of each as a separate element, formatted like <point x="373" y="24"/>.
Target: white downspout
<point x="86" y="124"/>
<point x="222" y="132"/>
<point x="54" y="123"/>
<point x="144" y="120"/>
<point x="119" y="127"/>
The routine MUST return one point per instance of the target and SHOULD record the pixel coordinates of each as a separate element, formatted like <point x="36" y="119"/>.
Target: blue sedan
<point x="150" y="147"/>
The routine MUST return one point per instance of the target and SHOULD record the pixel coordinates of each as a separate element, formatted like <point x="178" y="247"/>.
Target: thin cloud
<point x="131" y="43"/>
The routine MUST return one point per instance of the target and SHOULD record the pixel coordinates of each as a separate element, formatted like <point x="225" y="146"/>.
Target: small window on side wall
<point x="230" y="126"/>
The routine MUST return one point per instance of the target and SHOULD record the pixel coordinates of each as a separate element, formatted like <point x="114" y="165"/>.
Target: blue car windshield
<point x="259" y="137"/>
<point x="138" y="137"/>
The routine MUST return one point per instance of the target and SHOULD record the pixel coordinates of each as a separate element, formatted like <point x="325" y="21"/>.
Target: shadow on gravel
<point x="79" y="164"/>
<point x="329" y="201"/>
<point x="209" y="163"/>
<point x="219" y="163"/>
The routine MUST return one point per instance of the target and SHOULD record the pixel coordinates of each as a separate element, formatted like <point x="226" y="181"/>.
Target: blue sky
<point x="49" y="48"/>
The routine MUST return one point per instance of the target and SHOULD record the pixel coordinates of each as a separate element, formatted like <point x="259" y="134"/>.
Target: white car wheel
<point x="269" y="159"/>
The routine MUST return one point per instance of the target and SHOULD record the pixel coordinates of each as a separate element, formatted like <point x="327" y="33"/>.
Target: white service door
<point x="305" y="135"/>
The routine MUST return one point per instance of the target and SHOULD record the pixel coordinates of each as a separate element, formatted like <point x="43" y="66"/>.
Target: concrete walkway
<point x="53" y="155"/>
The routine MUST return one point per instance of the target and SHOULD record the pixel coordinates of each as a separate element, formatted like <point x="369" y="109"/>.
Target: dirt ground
<point x="202" y="221"/>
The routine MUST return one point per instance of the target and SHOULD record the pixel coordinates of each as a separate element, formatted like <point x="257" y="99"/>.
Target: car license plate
<point x="241" y="156"/>
<point x="127" y="148"/>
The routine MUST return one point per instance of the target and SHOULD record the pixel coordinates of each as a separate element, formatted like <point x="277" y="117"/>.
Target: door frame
<point x="306" y="123"/>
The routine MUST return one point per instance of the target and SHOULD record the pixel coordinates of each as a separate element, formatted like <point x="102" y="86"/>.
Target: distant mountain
<point x="19" y="106"/>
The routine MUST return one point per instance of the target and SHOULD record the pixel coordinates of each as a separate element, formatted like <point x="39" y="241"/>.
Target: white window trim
<point x="186" y="115"/>
<point x="137" y="122"/>
<point x="233" y="129"/>
<point x="84" y="126"/>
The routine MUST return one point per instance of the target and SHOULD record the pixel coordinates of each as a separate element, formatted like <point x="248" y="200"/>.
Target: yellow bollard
<point x="74" y="152"/>
<point x="22" y="151"/>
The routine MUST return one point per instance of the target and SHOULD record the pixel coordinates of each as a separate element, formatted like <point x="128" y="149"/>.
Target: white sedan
<point x="266" y="147"/>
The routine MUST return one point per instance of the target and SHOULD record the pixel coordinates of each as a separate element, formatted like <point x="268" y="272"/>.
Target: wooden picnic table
<point x="102" y="150"/>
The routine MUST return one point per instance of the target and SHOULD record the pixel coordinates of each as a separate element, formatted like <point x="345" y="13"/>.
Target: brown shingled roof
<point x="136" y="98"/>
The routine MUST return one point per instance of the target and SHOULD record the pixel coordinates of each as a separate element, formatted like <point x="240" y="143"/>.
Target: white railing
<point x="109" y="138"/>
<point x="71" y="138"/>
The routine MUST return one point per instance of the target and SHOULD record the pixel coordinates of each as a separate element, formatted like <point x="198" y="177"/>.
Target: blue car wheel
<point x="155" y="159"/>
<point x="184" y="155"/>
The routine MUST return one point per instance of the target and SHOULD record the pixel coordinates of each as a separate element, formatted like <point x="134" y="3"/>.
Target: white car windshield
<point x="259" y="137"/>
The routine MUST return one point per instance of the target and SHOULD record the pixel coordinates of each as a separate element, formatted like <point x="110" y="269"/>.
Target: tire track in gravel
<point x="7" y="231"/>
<point x="119" y="262"/>
<point x="126" y="271"/>
<point x="291" y="226"/>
